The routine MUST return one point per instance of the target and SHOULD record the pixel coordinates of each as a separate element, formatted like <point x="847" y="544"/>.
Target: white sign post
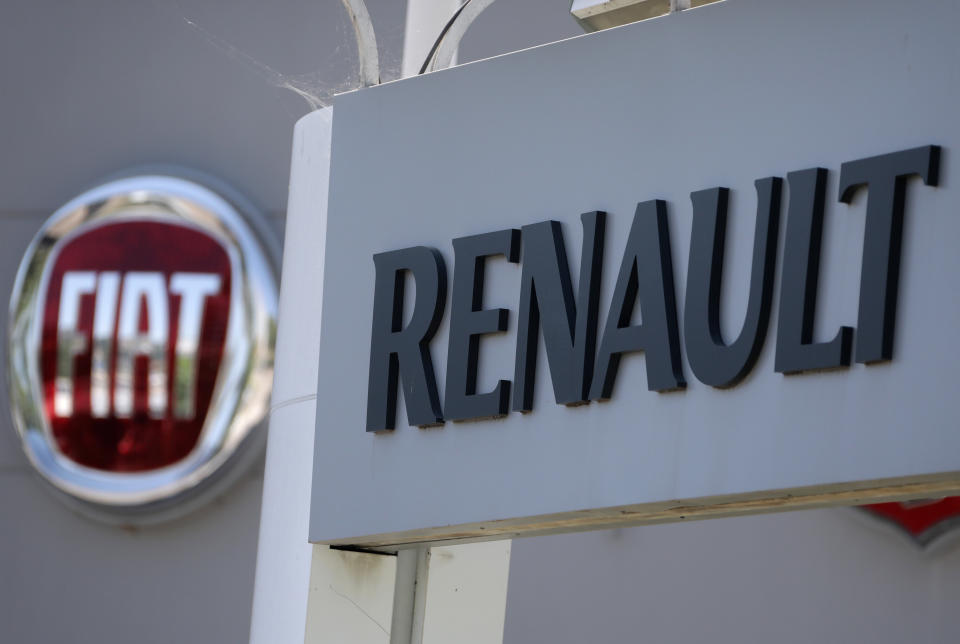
<point x="311" y="593"/>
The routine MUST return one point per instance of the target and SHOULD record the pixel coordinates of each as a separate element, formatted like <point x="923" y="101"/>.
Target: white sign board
<point x="778" y="101"/>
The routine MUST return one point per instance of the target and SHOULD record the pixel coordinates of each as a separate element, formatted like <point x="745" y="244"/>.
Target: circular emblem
<point x="141" y="336"/>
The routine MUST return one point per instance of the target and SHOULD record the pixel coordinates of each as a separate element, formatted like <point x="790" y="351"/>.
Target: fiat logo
<point x="141" y="347"/>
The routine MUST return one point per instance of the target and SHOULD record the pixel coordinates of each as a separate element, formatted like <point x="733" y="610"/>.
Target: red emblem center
<point x="134" y="324"/>
<point x="924" y="520"/>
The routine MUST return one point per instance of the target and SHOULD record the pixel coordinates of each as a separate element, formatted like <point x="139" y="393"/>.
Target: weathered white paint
<point x="466" y="594"/>
<point x="410" y="595"/>
<point x="350" y="598"/>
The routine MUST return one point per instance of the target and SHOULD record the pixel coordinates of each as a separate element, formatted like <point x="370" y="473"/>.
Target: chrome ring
<point x="232" y="426"/>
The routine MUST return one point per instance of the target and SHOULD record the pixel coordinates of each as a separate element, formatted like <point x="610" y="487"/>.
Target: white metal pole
<point x="284" y="556"/>
<point x="410" y="596"/>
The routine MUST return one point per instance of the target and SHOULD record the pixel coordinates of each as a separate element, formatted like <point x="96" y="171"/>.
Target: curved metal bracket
<point x="368" y="56"/>
<point x="442" y="55"/>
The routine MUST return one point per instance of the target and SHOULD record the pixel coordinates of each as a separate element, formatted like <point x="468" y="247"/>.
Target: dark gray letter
<point x="880" y="273"/>
<point x="712" y="361"/>
<point x="547" y="302"/>
<point x="646" y="272"/>
<point x="796" y="350"/>
<point x="395" y="350"/>
<point x="469" y="320"/>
